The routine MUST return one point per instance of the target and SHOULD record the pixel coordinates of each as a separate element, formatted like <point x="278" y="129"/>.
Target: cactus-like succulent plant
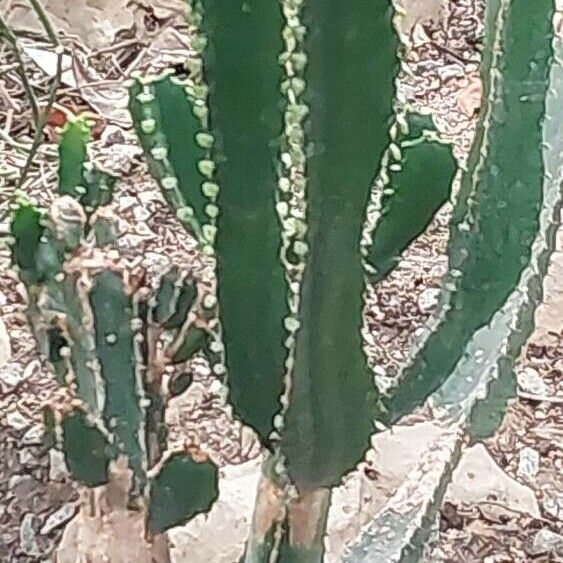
<point x="99" y="324"/>
<point x="501" y="236"/>
<point x="297" y="122"/>
<point x="267" y="153"/>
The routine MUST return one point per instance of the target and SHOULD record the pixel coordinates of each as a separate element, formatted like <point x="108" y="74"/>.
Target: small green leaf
<point x="414" y="194"/>
<point x="182" y="489"/>
<point x="87" y="452"/>
<point x="194" y="341"/>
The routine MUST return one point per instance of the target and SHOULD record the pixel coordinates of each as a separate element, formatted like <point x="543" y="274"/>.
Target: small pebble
<point x="58" y="518"/>
<point x="58" y="470"/>
<point x="27" y="457"/>
<point x="528" y="463"/>
<point x="34" y="436"/>
<point x="530" y="381"/>
<point x="16" y="420"/>
<point x="546" y="541"/>
<point x="127" y="202"/>
<point x="554" y="506"/>
<point x="28" y="541"/>
<point x="11" y="375"/>
<point x="427" y="299"/>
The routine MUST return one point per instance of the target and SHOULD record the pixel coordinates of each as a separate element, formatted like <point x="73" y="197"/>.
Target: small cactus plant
<point x="99" y="324"/>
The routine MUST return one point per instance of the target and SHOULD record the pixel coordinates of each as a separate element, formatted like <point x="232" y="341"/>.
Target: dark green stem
<point x="45" y="22"/>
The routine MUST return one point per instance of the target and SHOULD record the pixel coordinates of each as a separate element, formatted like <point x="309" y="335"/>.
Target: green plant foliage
<point x="99" y="325"/>
<point x="271" y="169"/>
<point x="73" y="154"/>
<point x="87" y="452"/>
<point x="348" y="139"/>
<point x="492" y="242"/>
<point x="473" y="397"/>
<point x="182" y="489"/>
<point x="418" y="178"/>
<point x="240" y="66"/>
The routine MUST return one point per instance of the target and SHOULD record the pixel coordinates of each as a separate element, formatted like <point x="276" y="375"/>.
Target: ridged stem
<point x="284" y="529"/>
<point x="268" y="517"/>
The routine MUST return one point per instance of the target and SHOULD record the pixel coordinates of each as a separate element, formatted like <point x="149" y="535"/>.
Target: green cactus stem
<point x="112" y="313"/>
<point x="83" y="368"/>
<point x="244" y="79"/>
<point x="28" y="231"/>
<point x="73" y="153"/>
<point x="179" y="384"/>
<point x="346" y="147"/>
<point x="413" y="184"/>
<point x="77" y="176"/>
<point x="87" y="451"/>
<point x="491" y="234"/>
<point x="194" y="341"/>
<point x="328" y="54"/>
<point x="96" y="189"/>
<point x="349" y="77"/>
<point x="172" y="133"/>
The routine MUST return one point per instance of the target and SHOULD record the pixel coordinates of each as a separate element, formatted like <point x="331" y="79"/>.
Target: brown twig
<point x="18" y="146"/>
<point x="554" y="399"/>
<point x="8" y="68"/>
